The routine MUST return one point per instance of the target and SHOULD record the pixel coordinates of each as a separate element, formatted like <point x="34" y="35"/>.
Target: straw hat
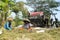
<point x="10" y="18"/>
<point x="26" y="20"/>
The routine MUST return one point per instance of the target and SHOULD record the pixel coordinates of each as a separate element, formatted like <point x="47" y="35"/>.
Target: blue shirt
<point x="6" y="26"/>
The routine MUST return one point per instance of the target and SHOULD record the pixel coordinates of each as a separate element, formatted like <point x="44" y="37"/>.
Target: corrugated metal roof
<point x="36" y="13"/>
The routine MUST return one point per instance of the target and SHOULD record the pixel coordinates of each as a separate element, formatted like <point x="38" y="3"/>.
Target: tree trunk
<point x="1" y="19"/>
<point x="5" y="16"/>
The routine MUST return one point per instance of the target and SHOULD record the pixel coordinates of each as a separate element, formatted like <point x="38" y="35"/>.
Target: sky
<point x="30" y="9"/>
<point x="21" y="0"/>
<point x="58" y="12"/>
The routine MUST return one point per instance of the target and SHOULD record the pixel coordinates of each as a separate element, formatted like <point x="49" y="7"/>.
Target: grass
<point x="17" y="34"/>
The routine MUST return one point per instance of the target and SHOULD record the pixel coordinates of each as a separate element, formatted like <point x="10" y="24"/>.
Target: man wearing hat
<point x="8" y="24"/>
<point x="27" y="24"/>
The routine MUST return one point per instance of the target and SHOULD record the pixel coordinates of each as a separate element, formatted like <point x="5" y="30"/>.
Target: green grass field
<point x="16" y="34"/>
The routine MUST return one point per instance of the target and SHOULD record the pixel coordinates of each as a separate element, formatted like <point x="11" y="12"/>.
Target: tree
<point x="44" y="5"/>
<point x="19" y="7"/>
<point x="4" y="8"/>
<point x="16" y="10"/>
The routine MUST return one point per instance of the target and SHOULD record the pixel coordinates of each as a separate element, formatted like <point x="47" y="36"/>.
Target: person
<point x="51" y="22"/>
<point x="27" y="24"/>
<point x="7" y="25"/>
<point x="56" y="22"/>
<point x="46" y="22"/>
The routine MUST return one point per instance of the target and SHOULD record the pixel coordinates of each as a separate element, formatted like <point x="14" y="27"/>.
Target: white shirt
<point x="52" y="17"/>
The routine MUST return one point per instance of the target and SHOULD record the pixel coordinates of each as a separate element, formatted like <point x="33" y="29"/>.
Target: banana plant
<point x="4" y="7"/>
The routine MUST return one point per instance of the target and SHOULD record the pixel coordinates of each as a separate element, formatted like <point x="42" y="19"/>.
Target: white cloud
<point x="20" y="0"/>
